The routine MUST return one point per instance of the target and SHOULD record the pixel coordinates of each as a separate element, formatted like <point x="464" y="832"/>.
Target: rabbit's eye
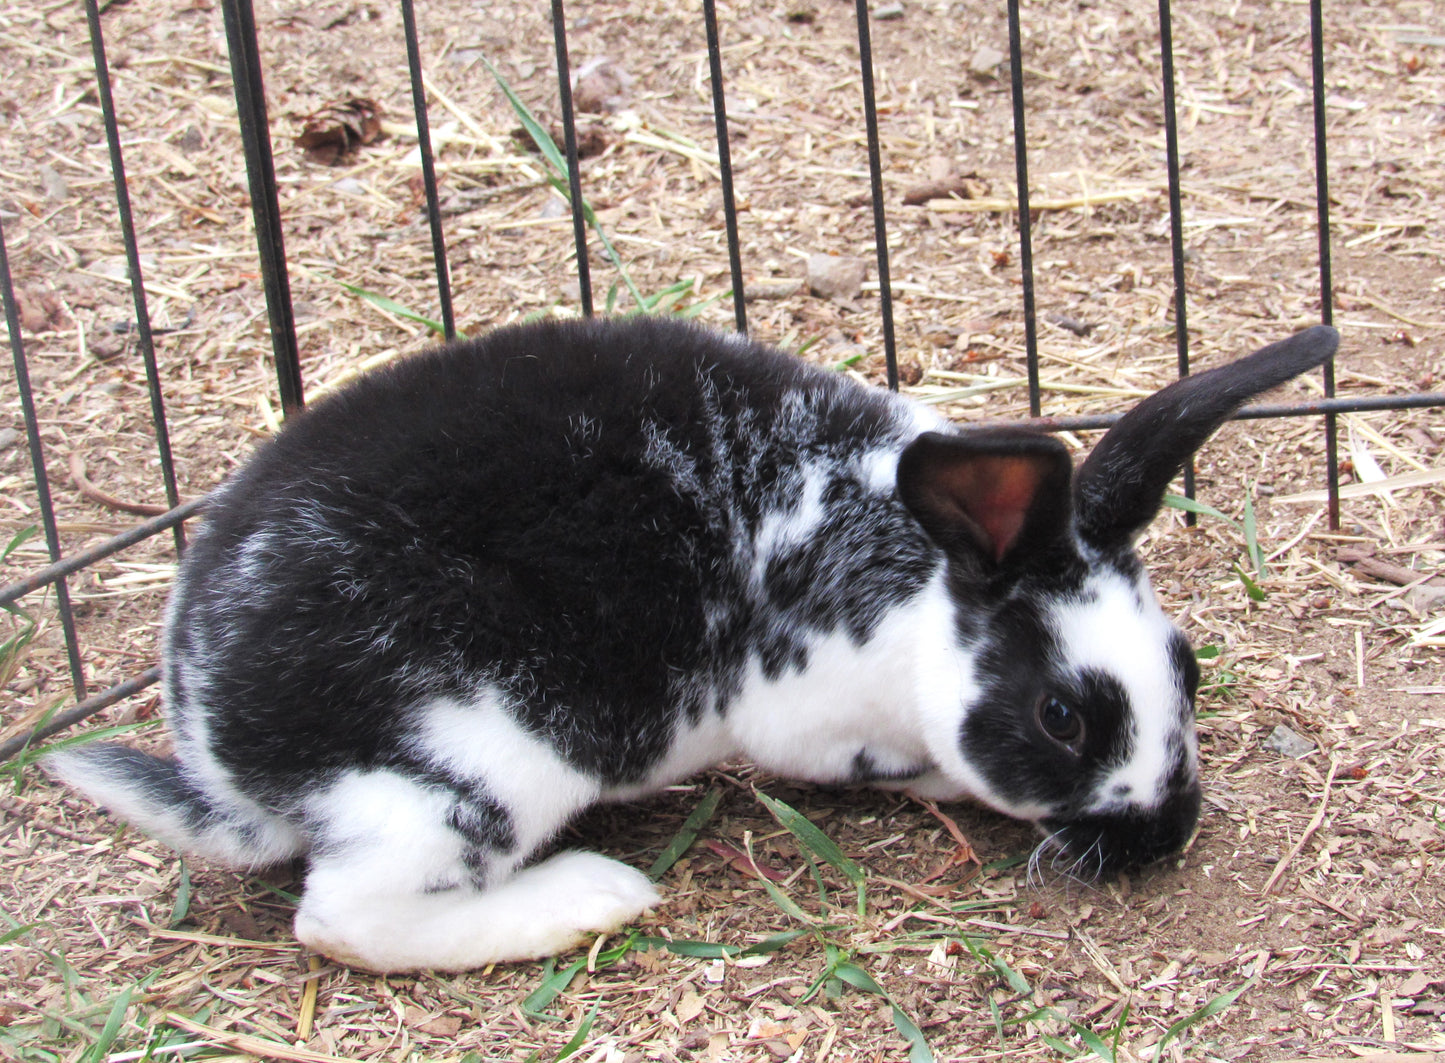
<point x="1061" y="723"/>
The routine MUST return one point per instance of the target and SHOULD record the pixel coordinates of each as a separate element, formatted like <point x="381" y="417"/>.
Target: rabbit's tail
<point x="157" y="795"/>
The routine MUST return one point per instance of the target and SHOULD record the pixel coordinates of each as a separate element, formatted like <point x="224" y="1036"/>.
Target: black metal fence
<point x="247" y="74"/>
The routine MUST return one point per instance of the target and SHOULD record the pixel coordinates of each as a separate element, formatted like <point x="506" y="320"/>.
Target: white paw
<point x="601" y="894"/>
<point x="540" y="911"/>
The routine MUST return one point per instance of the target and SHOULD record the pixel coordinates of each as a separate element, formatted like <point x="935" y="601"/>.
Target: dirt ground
<point x="1306" y="921"/>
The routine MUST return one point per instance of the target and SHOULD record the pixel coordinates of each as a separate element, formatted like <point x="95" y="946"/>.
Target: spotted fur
<point x="478" y="591"/>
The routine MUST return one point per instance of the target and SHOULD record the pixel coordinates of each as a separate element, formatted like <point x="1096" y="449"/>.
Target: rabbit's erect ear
<point x="1121" y="485"/>
<point x="998" y="494"/>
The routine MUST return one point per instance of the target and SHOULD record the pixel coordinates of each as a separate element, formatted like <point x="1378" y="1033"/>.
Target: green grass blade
<point x="819" y="844"/>
<point x="686" y="834"/>
<point x="855" y="976"/>
<point x="110" y="1031"/>
<point x="557" y="163"/>
<point x="781" y="899"/>
<point x="997" y="1017"/>
<point x="277" y="891"/>
<point x="18" y="540"/>
<point x="1193" y="505"/>
<point x="182" y="906"/>
<point x="540" y="137"/>
<point x="17" y="932"/>
<point x="1251" y="588"/>
<point x="1212" y="1008"/>
<point x="554" y="984"/>
<point x="391" y="306"/>
<point x="1015" y="981"/>
<point x="584" y="1030"/>
<point x="1059" y="1045"/>
<point x="1094" y="1042"/>
<point x="693" y="310"/>
<point x="1251" y="536"/>
<point x="1119" y="1030"/>
<point x="712" y="950"/>
<point x="668" y="297"/>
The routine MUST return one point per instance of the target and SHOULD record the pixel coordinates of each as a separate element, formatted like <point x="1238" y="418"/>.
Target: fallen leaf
<point x="338" y="128"/>
<point x="690" y="1006"/>
<point x="740" y="862"/>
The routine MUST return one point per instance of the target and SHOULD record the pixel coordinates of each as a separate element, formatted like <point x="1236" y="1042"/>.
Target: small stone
<point x="8" y="438"/>
<point x="985" y="62"/>
<point x="1287" y="743"/>
<point x="555" y="207"/>
<point x="836" y="277"/>
<point x="888" y="12"/>
<point x="191" y="140"/>
<point x="1427" y="597"/>
<point x="55" y="186"/>
<point x="600" y="87"/>
<point x="350" y="186"/>
<point x="771" y="288"/>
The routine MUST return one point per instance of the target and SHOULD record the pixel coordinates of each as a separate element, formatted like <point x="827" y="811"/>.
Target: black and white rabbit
<point x="482" y="589"/>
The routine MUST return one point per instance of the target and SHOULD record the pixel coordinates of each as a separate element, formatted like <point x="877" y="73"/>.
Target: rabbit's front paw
<point x="581" y="893"/>
<point x="540" y="911"/>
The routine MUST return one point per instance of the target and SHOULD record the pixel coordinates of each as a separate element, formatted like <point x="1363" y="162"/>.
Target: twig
<point x="20" y="813"/>
<point x="244" y="1042"/>
<point x="307" y="1014"/>
<point x="1314" y="825"/>
<point x="95" y="494"/>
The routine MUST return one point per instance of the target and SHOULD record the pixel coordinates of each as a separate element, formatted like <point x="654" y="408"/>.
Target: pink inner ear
<point x="995" y="493"/>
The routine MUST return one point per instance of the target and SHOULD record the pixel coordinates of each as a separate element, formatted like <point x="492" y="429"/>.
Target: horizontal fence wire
<point x="267" y="214"/>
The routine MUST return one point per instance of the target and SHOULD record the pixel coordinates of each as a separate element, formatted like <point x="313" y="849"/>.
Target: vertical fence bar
<point x="875" y="177"/>
<point x="428" y="170"/>
<point x="245" y="53"/>
<point x="1021" y="169"/>
<point x="37" y="463"/>
<point x="725" y="163"/>
<point x="1176" y="214"/>
<point x="145" y="337"/>
<point x="574" y="168"/>
<point x="1327" y="287"/>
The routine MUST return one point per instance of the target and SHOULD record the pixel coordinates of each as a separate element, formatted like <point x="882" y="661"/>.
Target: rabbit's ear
<point x="995" y="494"/>
<point x="1121" y="485"/>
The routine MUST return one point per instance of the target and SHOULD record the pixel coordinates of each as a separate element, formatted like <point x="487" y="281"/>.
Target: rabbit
<point x="479" y="590"/>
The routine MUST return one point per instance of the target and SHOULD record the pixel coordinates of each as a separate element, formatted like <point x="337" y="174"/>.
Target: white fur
<point x="480" y="741"/>
<point x="1119" y="629"/>
<point x="268" y="841"/>
<point x="270" y="838"/>
<point x="878" y="469"/>
<point x="694" y="748"/>
<point x="781" y="530"/>
<point x="811" y="724"/>
<point x="365" y="907"/>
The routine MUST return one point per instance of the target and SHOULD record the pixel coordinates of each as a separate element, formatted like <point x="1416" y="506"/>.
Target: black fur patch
<point x="553" y="512"/>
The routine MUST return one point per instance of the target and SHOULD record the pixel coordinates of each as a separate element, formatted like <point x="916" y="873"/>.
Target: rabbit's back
<point x="601" y="524"/>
